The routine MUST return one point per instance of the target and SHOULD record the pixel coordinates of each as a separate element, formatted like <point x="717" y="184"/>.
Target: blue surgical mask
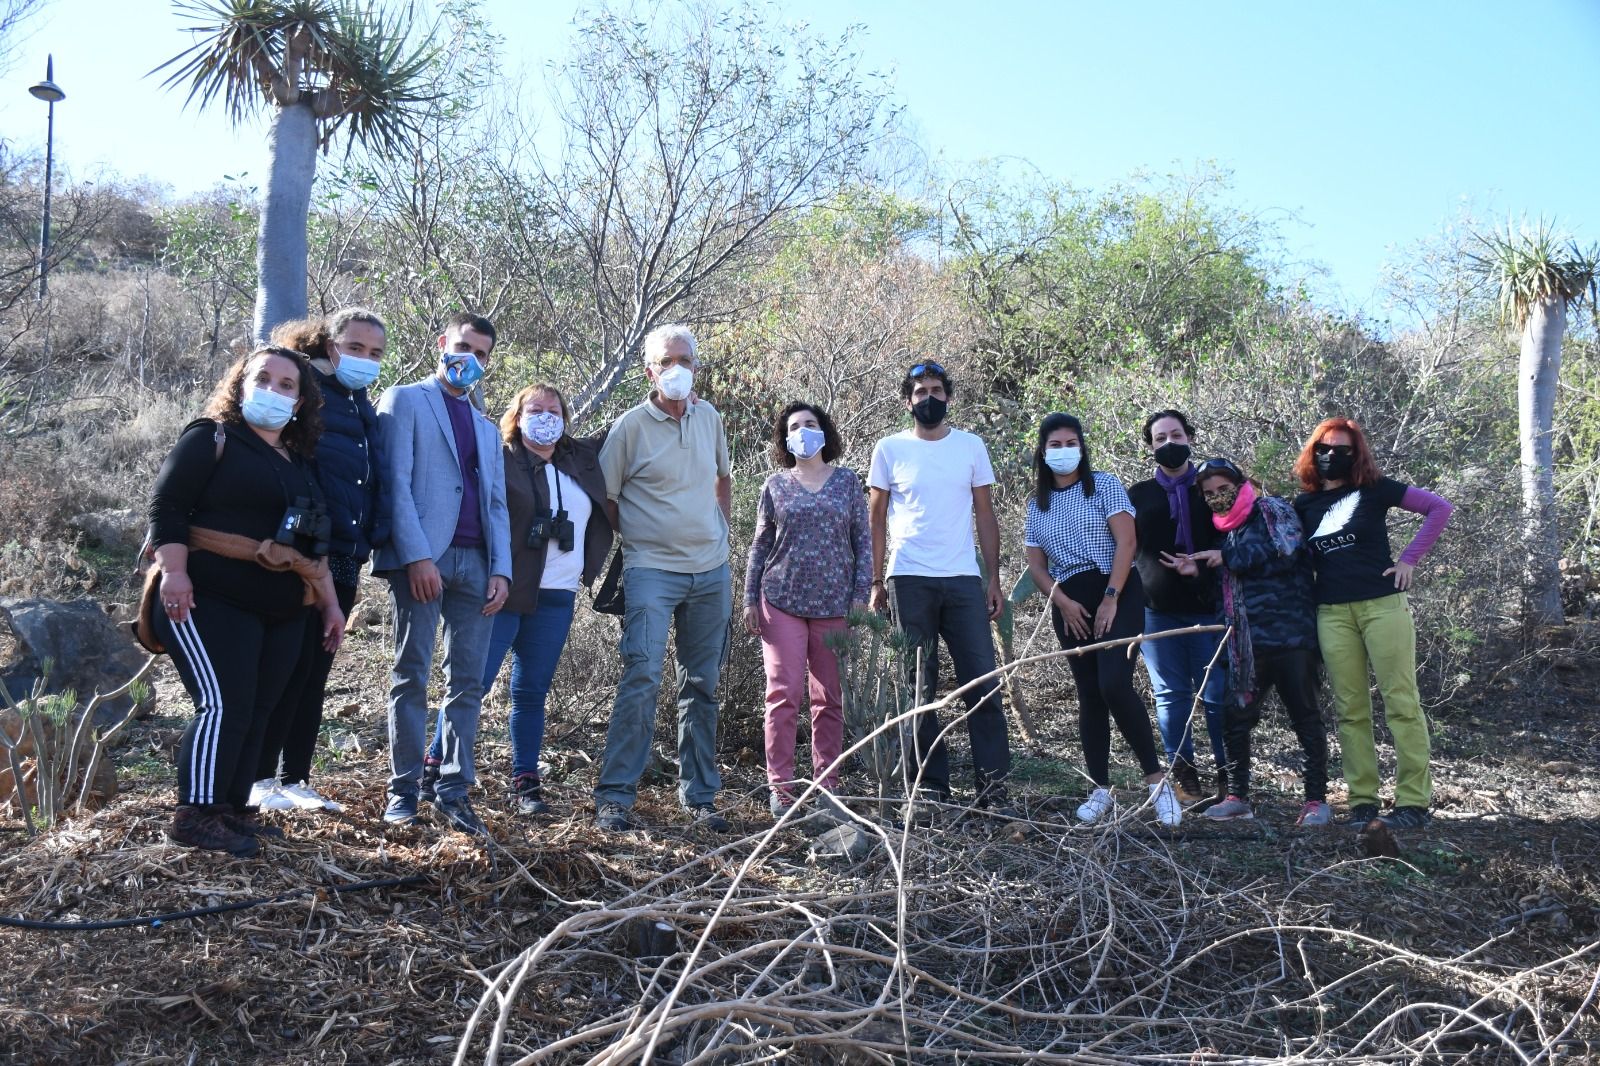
<point x="356" y="372"/>
<point x="544" y="428"/>
<point x="805" y="442"/>
<point x="266" y="409"/>
<point x="1063" y="460"/>
<point x="462" y="369"/>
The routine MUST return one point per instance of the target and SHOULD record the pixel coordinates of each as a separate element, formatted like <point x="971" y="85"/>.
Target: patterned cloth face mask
<point x="805" y="442"/>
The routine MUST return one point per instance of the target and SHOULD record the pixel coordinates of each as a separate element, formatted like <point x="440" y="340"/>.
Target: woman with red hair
<point x="1363" y="616"/>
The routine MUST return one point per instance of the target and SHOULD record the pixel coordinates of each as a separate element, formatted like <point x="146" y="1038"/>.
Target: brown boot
<point x="1186" y="781"/>
<point x="246" y="821"/>
<point x="200" y="827"/>
<point x="1216" y="798"/>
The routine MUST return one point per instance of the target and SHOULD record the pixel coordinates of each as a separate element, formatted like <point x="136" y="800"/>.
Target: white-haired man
<point x="669" y="496"/>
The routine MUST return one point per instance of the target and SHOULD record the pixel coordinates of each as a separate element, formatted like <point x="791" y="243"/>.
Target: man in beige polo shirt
<point x="670" y="493"/>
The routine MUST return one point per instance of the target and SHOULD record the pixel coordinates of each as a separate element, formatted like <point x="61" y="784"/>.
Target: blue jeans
<point x="698" y="607"/>
<point x="465" y="573"/>
<point x="535" y="641"/>
<point x="1176" y="666"/>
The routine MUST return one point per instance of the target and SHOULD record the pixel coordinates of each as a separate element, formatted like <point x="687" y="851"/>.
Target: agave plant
<point x="1539" y="274"/>
<point x="324" y="66"/>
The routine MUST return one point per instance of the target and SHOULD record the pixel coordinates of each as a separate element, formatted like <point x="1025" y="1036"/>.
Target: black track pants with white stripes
<point x="235" y="664"/>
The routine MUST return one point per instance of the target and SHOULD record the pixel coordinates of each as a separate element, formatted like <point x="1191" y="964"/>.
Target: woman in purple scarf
<point x="1172" y="519"/>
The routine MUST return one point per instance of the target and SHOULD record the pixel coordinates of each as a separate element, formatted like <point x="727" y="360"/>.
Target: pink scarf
<point x="1239" y="512"/>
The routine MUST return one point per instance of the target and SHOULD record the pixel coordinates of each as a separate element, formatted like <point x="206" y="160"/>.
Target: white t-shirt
<point x="564" y="570"/>
<point x="930" y="485"/>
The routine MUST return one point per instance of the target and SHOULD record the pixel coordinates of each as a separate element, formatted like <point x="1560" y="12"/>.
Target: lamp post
<point x="50" y="93"/>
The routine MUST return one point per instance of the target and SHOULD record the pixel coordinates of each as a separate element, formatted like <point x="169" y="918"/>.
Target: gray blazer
<point x="423" y="479"/>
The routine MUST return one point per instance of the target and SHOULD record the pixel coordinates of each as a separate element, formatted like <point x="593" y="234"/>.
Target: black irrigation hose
<point x="157" y="920"/>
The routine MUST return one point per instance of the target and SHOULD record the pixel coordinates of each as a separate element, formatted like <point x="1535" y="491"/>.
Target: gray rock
<point x="848" y="842"/>
<point x="86" y="651"/>
<point x="120" y="529"/>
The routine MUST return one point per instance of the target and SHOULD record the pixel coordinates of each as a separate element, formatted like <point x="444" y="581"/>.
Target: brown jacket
<point x="527" y="495"/>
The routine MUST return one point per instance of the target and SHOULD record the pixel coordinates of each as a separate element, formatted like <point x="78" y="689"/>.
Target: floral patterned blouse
<point x="812" y="553"/>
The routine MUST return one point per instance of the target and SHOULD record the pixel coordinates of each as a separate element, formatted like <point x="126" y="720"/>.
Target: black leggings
<point x="1105" y="678"/>
<point x="1293" y="672"/>
<point x="292" y="733"/>
<point x="235" y="664"/>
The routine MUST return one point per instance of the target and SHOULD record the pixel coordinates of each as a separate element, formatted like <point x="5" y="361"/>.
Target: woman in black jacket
<point x="560" y="536"/>
<point x="239" y="531"/>
<point x="1266" y="598"/>
<point x="346" y="353"/>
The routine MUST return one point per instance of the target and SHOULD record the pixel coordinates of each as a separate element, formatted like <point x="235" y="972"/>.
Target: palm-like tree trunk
<point x="281" y="250"/>
<point x="1538" y="370"/>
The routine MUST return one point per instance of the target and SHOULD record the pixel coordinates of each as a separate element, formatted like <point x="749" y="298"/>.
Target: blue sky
<point x="1357" y="128"/>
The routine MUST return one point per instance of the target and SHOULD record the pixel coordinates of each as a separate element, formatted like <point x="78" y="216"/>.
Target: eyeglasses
<point x="925" y="368"/>
<point x="1334" y="449"/>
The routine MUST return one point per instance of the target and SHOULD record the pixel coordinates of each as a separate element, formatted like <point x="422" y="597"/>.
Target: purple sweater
<point x="812" y="552"/>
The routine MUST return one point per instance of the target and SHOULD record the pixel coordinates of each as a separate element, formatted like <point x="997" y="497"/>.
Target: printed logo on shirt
<point x="1329" y="536"/>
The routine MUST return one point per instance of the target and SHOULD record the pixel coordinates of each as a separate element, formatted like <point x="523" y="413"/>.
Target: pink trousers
<point x="788" y="645"/>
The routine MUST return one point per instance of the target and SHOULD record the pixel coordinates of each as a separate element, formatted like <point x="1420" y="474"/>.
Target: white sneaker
<point x="303" y="795"/>
<point x="1168" y="811"/>
<point x="1094" y="808"/>
<point x="268" y="795"/>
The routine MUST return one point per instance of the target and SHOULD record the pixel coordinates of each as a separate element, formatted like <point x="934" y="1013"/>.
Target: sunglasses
<point x="925" y="368"/>
<point x="1334" y="449"/>
<point x="1218" y="466"/>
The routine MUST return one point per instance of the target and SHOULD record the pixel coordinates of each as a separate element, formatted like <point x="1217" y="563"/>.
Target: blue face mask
<point x="355" y="372"/>
<point x="462" y="369"/>
<point x="266" y="409"/>
<point x="805" y="442"/>
<point x="1063" y="460"/>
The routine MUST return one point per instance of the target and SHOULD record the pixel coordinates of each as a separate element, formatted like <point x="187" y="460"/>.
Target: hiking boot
<point x="1094" y="808"/>
<point x="778" y="801"/>
<point x="1232" y="809"/>
<point x="530" y="794"/>
<point x="1186" y="782"/>
<point x="1406" y="818"/>
<point x="705" y="816"/>
<point x="1168" y="811"/>
<point x="922" y="811"/>
<point x="427" y="792"/>
<point x="1360" y="815"/>
<point x="246" y="821"/>
<point x="1315" y="813"/>
<point x="458" y="814"/>
<point x="199" y="827"/>
<point x="402" y="810"/>
<point x="613" y="818"/>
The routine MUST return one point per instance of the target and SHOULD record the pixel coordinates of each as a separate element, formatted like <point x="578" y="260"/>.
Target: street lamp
<point x="50" y="93"/>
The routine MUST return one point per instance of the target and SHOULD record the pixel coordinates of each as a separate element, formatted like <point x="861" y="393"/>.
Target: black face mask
<point x="1335" y="467"/>
<point x="1172" y="455"/>
<point x="930" y="411"/>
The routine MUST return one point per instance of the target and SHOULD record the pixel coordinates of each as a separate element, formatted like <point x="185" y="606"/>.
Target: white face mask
<point x="1063" y="460"/>
<point x="266" y="409"/>
<point x="544" y="428"/>
<point x="675" y="382"/>
<point x="805" y="442"/>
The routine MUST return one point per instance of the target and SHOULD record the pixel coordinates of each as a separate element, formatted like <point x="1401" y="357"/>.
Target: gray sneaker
<point x="1232" y="809"/>
<point x="706" y="817"/>
<point x="1315" y="813"/>
<point x="613" y="818"/>
<point x="1406" y="818"/>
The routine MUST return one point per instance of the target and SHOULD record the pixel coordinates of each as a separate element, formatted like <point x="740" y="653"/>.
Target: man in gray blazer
<point x="448" y="557"/>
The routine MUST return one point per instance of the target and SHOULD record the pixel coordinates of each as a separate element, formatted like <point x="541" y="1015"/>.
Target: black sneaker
<point x="1406" y="818"/>
<point x="706" y="817"/>
<point x="530" y="794"/>
<point x="198" y="827"/>
<point x="430" y="779"/>
<point x="401" y="810"/>
<point x="458" y="813"/>
<point x="246" y="821"/>
<point x="1360" y="815"/>
<point x="613" y="818"/>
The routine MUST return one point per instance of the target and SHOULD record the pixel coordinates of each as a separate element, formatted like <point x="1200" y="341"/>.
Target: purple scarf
<point x="1178" y="504"/>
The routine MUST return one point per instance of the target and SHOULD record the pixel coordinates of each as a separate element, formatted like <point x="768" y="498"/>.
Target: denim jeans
<point x="1176" y="666"/>
<point x="925" y="609"/>
<point x="697" y="607"/>
<point x="465" y="574"/>
<point x="535" y="640"/>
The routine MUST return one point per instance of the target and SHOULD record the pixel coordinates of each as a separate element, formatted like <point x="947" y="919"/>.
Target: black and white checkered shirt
<point x="1075" y="534"/>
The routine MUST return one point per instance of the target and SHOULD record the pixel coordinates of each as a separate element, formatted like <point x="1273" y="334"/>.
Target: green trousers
<point x="1379" y="632"/>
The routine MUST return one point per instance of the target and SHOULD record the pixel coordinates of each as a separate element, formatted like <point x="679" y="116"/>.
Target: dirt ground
<point x="968" y="941"/>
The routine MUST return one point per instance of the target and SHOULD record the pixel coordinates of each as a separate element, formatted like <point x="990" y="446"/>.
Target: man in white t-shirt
<point x="925" y="483"/>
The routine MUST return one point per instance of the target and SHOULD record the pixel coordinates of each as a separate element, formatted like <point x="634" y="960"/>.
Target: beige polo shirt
<point x="663" y="472"/>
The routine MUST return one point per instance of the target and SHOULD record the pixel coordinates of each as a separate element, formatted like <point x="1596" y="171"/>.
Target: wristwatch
<point x="1111" y="592"/>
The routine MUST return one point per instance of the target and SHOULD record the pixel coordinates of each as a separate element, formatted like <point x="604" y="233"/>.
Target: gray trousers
<point x="465" y="573"/>
<point x="698" y="606"/>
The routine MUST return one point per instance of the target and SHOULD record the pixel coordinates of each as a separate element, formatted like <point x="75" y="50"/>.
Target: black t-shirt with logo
<point x="1347" y="532"/>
